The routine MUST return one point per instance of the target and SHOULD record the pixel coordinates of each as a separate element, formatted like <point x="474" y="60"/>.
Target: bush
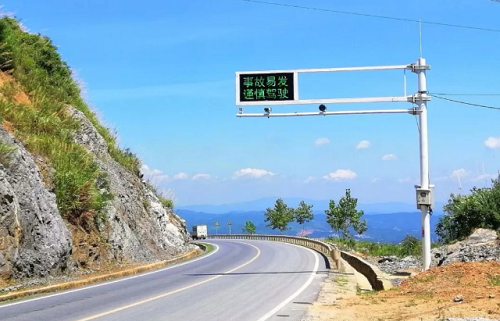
<point x="410" y="246"/>
<point x="464" y="213"/>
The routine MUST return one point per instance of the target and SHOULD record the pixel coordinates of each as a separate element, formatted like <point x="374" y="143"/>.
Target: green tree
<point x="249" y="227"/>
<point x="411" y="245"/>
<point x="464" y="213"/>
<point x="303" y="214"/>
<point x="279" y="216"/>
<point x="343" y="216"/>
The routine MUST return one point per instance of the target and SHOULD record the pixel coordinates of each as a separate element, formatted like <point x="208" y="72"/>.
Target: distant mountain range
<point x="388" y="227"/>
<point x="319" y="206"/>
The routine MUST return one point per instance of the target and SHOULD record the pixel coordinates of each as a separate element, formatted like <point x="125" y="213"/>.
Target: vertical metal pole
<point x="424" y="165"/>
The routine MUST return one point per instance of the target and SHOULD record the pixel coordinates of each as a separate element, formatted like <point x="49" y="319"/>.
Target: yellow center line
<point x="171" y="292"/>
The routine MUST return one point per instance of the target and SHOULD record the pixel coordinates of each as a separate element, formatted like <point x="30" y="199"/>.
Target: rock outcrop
<point x="482" y="245"/>
<point x="34" y="240"/>
<point x="140" y="228"/>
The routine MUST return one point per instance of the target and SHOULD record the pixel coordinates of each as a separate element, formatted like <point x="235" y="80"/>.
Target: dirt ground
<point x="427" y="296"/>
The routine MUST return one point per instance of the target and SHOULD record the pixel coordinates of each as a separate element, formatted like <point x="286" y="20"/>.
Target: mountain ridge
<point x="318" y="205"/>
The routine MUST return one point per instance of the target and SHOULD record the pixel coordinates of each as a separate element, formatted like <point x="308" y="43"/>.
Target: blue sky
<point x="162" y="74"/>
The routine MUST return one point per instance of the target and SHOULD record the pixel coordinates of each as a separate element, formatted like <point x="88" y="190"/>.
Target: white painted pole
<point x="424" y="165"/>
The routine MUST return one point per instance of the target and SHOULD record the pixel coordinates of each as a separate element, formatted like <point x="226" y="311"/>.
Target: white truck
<point x="199" y="232"/>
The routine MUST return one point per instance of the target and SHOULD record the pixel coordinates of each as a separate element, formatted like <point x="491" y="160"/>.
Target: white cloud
<point x="389" y="157"/>
<point x="309" y="179"/>
<point x="155" y="176"/>
<point x="459" y="173"/>
<point x="375" y="180"/>
<point x="181" y="176"/>
<point x="252" y="172"/>
<point x="321" y="141"/>
<point x="404" y="180"/>
<point x="202" y="176"/>
<point x="492" y="142"/>
<point x="363" y="144"/>
<point x="340" y="175"/>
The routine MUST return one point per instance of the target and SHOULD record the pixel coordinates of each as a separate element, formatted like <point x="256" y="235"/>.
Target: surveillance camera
<point x="267" y="110"/>
<point x="322" y="108"/>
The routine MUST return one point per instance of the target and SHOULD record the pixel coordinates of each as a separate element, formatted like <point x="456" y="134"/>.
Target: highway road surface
<point x="240" y="280"/>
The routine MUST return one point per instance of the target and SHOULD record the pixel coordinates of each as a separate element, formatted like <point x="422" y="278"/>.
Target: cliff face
<point x="140" y="228"/>
<point x="34" y="241"/>
<point x="69" y="197"/>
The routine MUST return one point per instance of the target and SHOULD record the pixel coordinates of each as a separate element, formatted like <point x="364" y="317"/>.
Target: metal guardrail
<point x="329" y="250"/>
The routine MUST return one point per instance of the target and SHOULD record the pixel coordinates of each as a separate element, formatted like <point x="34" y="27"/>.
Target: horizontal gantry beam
<point x="412" y="111"/>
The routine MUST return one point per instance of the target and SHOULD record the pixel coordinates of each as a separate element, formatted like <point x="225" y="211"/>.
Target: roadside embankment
<point x="92" y="279"/>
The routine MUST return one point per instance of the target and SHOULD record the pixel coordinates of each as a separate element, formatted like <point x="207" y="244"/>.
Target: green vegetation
<point x="164" y="199"/>
<point x="344" y="216"/>
<point x="249" y="227"/>
<point x="280" y="216"/>
<point x="6" y="151"/>
<point x="409" y="246"/>
<point x="480" y="209"/>
<point x="208" y="247"/>
<point x="303" y="213"/>
<point x="495" y="280"/>
<point x="45" y="128"/>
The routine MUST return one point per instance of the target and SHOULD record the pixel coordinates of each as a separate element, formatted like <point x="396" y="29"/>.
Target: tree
<point x="279" y="216"/>
<point x="249" y="227"/>
<point x="303" y="213"/>
<point x="410" y="245"/>
<point x="464" y="213"/>
<point x="343" y="216"/>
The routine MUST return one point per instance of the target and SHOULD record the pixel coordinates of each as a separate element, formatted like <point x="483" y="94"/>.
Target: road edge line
<point x="112" y="278"/>
<point x="299" y="291"/>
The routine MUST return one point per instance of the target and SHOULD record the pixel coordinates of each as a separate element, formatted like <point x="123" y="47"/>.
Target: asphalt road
<point x="240" y="280"/>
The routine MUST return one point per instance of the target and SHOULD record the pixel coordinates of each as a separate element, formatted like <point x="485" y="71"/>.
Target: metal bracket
<point x="416" y="67"/>
<point x="414" y="111"/>
<point x="418" y="97"/>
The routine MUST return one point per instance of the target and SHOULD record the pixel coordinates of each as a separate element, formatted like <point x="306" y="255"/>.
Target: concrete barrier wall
<point x="371" y="272"/>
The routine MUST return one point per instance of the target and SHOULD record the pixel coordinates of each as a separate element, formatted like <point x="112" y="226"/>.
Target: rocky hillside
<point x="69" y="197"/>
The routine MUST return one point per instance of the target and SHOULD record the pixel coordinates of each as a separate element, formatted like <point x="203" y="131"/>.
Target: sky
<point x="162" y="75"/>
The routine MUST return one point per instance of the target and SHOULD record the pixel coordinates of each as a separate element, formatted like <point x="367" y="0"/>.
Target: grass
<point x="410" y="246"/>
<point x="425" y="296"/>
<point x="425" y="279"/>
<point x="47" y="130"/>
<point x="495" y="280"/>
<point x="208" y="247"/>
<point x="341" y="280"/>
<point x="6" y="151"/>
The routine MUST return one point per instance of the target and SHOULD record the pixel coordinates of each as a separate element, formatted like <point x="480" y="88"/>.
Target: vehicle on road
<point x="199" y="232"/>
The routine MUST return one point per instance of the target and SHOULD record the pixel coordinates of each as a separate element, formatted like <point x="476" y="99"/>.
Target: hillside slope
<point x="70" y="198"/>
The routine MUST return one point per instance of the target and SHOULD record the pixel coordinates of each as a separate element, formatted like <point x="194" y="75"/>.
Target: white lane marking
<point x="174" y="291"/>
<point x="299" y="291"/>
<point x="115" y="281"/>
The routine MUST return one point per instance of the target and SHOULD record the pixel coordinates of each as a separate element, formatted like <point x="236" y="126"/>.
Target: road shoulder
<point x="339" y="285"/>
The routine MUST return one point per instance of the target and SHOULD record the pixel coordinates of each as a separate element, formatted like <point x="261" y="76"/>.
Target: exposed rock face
<point x="34" y="240"/>
<point x="393" y="264"/>
<point x="482" y="245"/>
<point x="140" y="228"/>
